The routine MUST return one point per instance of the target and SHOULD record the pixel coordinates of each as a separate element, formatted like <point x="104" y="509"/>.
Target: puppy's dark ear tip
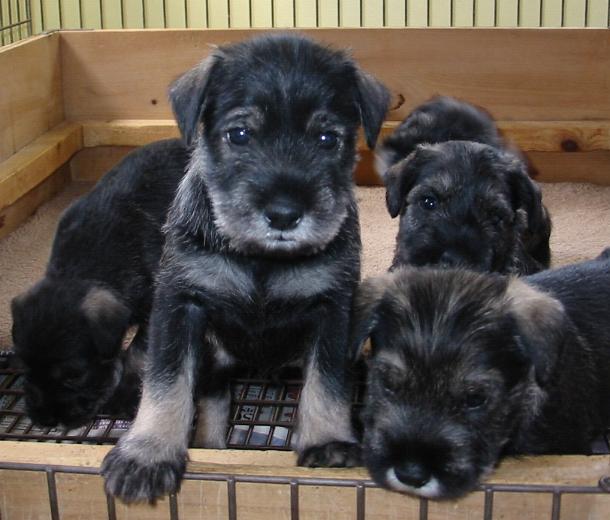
<point x="392" y="205"/>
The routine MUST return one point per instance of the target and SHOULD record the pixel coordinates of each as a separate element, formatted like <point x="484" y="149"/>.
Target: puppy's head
<point x="68" y="336"/>
<point x="464" y="204"/>
<point x="274" y="125"/>
<point x="441" y="119"/>
<point x="458" y="363"/>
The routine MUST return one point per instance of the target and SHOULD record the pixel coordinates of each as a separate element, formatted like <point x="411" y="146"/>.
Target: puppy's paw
<point x="140" y="479"/>
<point x="331" y="455"/>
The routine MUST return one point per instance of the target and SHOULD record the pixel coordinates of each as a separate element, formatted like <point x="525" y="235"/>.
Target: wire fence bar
<point x="22" y="18"/>
<point x="486" y="487"/>
<point x="359" y="485"/>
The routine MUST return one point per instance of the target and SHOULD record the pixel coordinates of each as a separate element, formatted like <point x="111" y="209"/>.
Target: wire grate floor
<point x="263" y="413"/>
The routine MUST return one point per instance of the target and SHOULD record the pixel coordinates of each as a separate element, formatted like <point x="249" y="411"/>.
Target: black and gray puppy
<point x="463" y="197"/>
<point x="465" y="368"/>
<point x="68" y="328"/>
<point x="262" y="254"/>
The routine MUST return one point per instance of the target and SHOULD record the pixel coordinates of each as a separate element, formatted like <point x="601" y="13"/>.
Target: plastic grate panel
<point x="262" y="416"/>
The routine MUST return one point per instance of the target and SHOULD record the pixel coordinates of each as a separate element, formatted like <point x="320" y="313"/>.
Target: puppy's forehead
<point x="431" y="313"/>
<point x="287" y="73"/>
<point x="452" y="167"/>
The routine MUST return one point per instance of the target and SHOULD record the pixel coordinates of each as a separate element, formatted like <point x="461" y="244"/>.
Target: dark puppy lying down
<point x="262" y="253"/>
<point x="68" y="328"/>
<point x="465" y="368"/>
<point x="463" y="197"/>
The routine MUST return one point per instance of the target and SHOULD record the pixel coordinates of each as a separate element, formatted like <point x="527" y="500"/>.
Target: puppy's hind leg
<point x="325" y="435"/>
<point x="213" y="409"/>
<point x="150" y="459"/>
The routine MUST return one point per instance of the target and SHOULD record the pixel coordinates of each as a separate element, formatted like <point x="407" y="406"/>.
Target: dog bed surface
<point x="580" y="213"/>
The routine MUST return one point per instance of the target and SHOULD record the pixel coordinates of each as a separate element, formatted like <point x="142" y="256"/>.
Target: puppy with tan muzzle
<point x="465" y="368"/>
<point x="262" y="253"/>
<point x="464" y="197"/>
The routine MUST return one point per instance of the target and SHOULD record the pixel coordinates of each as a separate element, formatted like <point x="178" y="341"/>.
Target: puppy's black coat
<point x="262" y="253"/>
<point x="463" y="198"/>
<point x="68" y="328"/>
<point x="465" y="368"/>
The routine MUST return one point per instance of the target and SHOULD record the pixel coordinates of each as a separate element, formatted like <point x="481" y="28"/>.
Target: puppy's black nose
<point x="283" y="215"/>
<point x="412" y="474"/>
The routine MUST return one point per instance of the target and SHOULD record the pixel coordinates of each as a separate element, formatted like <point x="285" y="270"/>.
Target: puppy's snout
<point x="413" y="474"/>
<point x="283" y="214"/>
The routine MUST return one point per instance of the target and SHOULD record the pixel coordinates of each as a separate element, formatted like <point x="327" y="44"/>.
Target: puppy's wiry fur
<point x="68" y="328"/>
<point x="262" y="252"/>
<point x="465" y="368"/>
<point x="463" y="197"/>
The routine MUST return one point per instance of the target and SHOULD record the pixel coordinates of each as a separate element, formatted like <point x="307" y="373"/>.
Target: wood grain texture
<point x="12" y="216"/>
<point x="31" y="100"/>
<point x="81" y="496"/>
<point x="516" y="74"/>
<point x="90" y="164"/>
<point x="35" y="162"/>
<point x="560" y="151"/>
<point x="566" y="470"/>
<point x="538" y="136"/>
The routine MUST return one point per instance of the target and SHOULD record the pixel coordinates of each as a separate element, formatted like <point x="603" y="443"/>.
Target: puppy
<point x="463" y="198"/>
<point x="262" y="254"/>
<point x="466" y="367"/>
<point x="68" y="328"/>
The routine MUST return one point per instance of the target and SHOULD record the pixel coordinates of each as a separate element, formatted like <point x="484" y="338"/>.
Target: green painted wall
<point x="116" y="14"/>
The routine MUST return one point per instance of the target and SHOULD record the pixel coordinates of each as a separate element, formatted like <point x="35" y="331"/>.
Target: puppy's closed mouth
<point x="280" y="237"/>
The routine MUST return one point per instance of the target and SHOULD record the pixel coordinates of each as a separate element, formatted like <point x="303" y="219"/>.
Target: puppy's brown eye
<point x="328" y="140"/>
<point x="475" y="399"/>
<point x="239" y="136"/>
<point x="429" y="202"/>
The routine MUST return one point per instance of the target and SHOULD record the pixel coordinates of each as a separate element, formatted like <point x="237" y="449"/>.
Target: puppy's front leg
<point x="325" y="435"/>
<point x="150" y="459"/>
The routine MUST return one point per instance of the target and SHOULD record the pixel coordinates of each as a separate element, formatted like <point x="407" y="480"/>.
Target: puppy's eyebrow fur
<point x="441" y="185"/>
<point x="251" y="115"/>
<point x="322" y="119"/>
<point x="391" y="358"/>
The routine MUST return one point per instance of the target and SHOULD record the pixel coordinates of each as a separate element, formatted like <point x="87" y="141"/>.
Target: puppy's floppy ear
<point x="187" y="96"/>
<point x="541" y="322"/>
<point x="526" y="194"/>
<point x="604" y="255"/>
<point x="373" y="101"/>
<point x="365" y="312"/>
<point x="108" y="320"/>
<point x="398" y="180"/>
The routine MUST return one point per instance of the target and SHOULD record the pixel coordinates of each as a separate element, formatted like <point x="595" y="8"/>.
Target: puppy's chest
<point x="263" y="313"/>
<point x="261" y="290"/>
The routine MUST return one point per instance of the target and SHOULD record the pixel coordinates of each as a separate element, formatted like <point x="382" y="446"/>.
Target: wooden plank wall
<point x="30" y="92"/>
<point x="516" y="74"/>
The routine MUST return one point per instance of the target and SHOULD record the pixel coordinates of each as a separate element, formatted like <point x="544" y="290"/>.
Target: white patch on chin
<point x="432" y="489"/>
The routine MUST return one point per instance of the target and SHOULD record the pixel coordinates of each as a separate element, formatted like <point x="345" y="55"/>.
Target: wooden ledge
<point x="564" y="470"/>
<point x="34" y="163"/>
<point x="530" y="136"/>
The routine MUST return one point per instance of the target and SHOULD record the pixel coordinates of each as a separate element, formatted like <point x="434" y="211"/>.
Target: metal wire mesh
<point x="15" y="20"/>
<point x="22" y="18"/>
